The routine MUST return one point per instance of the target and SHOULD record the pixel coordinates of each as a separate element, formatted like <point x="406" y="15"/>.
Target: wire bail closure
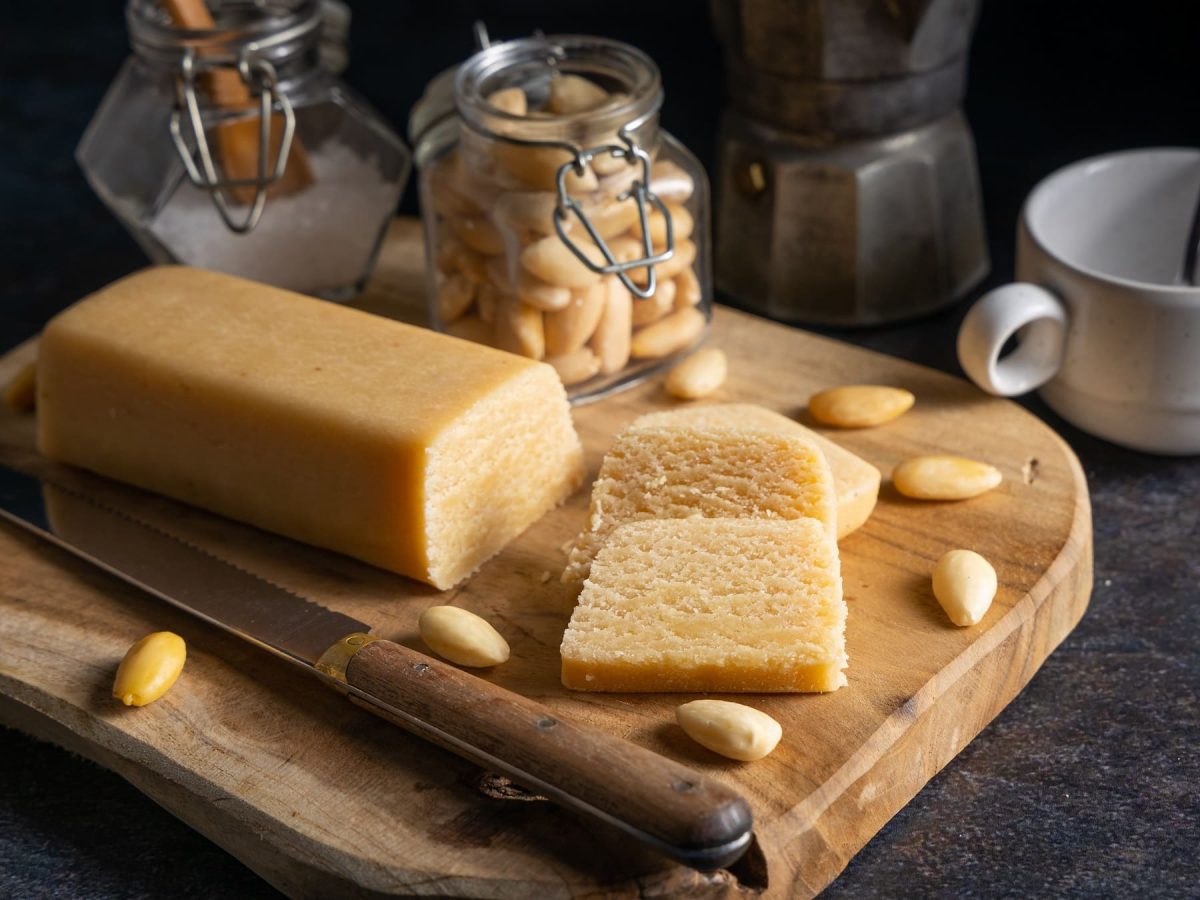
<point x="640" y="191"/>
<point x="210" y="179"/>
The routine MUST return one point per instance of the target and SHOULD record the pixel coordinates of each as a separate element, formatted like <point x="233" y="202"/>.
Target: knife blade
<point x="670" y="807"/>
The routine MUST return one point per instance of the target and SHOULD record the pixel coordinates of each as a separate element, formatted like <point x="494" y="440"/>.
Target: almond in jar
<point x="539" y="159"/>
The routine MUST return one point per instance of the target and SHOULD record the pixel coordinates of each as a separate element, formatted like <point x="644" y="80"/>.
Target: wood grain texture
<point x="318" y="796"/>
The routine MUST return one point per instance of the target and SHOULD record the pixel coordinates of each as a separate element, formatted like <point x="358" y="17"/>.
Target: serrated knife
<point x="672" y="808"/>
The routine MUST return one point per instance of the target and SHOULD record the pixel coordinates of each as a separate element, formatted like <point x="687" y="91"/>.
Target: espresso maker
<point x="848" y="188"/>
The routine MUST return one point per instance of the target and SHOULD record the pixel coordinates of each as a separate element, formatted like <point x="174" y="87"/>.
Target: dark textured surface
<point x="1087" y="785"/>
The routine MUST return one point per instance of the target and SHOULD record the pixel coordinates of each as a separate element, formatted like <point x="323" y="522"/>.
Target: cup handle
<point x="1039" y="320"/>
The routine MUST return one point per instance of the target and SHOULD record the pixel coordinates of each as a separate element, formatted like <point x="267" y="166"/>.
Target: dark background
<point x="1086" y="786"/>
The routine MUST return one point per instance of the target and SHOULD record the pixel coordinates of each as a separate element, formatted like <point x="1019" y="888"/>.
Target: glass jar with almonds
<point x="561" y="222"/>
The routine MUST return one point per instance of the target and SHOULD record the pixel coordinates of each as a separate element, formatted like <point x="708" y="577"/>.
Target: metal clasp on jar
<point x="640" y="191"/>
<point x="254" y="72"/>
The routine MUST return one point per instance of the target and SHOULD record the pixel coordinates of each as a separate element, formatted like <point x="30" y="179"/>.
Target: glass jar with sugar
<point x="224" y="143"/>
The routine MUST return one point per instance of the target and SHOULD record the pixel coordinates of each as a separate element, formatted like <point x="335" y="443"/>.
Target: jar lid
<point x="621" y="124"/>
<point x="532" y="63"/>
<point x="275" y="30"/>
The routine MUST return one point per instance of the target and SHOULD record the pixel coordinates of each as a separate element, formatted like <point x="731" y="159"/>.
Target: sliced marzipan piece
<point x="855" y="480"/>
<point x="666" y="466"/>
<point x="710" y="604"/>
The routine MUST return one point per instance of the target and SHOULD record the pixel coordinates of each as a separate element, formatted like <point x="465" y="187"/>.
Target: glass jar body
<point x="318" y="233"/>
<point x="500" y="267"/>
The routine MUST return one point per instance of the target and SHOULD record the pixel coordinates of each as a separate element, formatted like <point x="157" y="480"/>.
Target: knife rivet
<point x="546" y="722"/>
<point x="420" y="667"/>
<point x="683" y="786"/>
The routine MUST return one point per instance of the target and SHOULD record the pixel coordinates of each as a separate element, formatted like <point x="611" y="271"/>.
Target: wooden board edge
<point x="288" y="860"/>
<point x="255" y="846"/>
<point x="925" y="734"/>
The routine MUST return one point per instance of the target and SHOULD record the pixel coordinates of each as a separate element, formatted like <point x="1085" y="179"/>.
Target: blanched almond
<point x="944" y="478"/>
<point x="699" y="375"/>
<point x="606" y="163"/>
<point x="526" y="211"/>
<point x="627" y="249"/>
<point x="572" y="94"/>
<point x="537" y="167"/>
<point x="454" y="296"/>
<point x="687" y="289"/>
<point x="446" y="186"/>
<point x="553" y="262"/>
<point x="462" y="637"/>
<point x="570" y="328"/>
<point x="617" y="180"/>
<point x="682" y="258"/>
<point x="681" y="221"/>
<point x="150" y="668"/>
<point x="652" y="308"/>
<point x="519" y="328"/>
<point x="576" y="366"/>
<point x="611" y="340"/>
<point x="670" y="182"/>
<point x="479" y="234"/>
<point x="486" y="300"/>
<point x="455" y="256"/>
<point x="510" y="100"/>
<point x="859" y="405"/>
<point x="731" y="729"/>
<point x="964" y="583"/>
<point x="538" y="294"/>
<point x="613" y="217"/>
<point x="674" y="332"/>
<point x="525" y="287"/>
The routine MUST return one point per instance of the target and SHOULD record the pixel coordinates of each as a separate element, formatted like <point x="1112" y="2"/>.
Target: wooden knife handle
<point x="681" y="812"/>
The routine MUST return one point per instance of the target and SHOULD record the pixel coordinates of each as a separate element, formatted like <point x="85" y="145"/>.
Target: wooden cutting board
<point x="319" y="797"/>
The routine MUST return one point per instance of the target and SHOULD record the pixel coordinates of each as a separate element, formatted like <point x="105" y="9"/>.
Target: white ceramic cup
<point x="1105" y="327"/>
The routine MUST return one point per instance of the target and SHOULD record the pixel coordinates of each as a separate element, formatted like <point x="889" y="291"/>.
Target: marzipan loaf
<point x="415" y="451"/>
